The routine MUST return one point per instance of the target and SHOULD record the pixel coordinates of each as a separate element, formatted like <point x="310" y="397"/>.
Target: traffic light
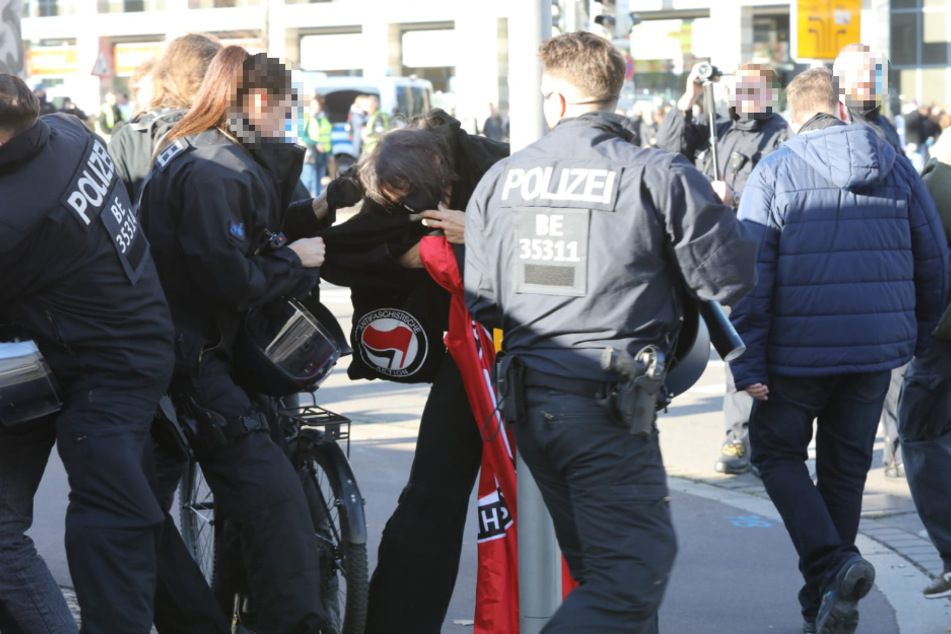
<point x="614" y="18"/>
<point x="557" y="18"/>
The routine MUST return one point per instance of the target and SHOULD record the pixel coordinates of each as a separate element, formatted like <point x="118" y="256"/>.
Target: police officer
<point x="574" y="244"/>
<point x="214" y="206"/>
<point x="753" y="130"/>
<point x="77" y="278"/>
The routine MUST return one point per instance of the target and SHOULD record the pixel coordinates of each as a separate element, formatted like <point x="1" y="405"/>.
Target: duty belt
<point x="578" y="387"/>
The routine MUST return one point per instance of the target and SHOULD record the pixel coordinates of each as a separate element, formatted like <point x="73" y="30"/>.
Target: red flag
<point x="473" y="350"/>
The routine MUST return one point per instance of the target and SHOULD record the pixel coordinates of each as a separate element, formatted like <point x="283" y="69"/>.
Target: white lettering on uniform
<point x="513" y="179"/>
<point x="78" y="202"/>
<point x="578" y="184"/>
<point x="529" y="191"/>
<point x="546" y="225"/>
<point x="91" y="188"/>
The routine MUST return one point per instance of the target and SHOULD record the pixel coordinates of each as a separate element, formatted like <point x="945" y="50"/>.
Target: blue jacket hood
<point x="849" y="156"/>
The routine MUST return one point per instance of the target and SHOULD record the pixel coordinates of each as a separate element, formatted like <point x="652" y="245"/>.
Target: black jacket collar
<point x="820" y="121"/>
<point x="602" y="120"/>
<point x="23" y="147"/>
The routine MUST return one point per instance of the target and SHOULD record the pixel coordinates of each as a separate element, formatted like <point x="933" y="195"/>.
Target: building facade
<point x="462" y="47"/>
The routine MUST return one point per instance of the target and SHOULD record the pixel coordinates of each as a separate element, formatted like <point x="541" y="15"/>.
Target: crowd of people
<point x="138" y="258"/>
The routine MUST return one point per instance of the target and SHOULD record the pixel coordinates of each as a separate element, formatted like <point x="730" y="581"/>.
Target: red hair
<point x="218" y="92"/>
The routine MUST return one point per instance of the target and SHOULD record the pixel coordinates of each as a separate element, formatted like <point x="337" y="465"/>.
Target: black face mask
<point x="419" y="200"/>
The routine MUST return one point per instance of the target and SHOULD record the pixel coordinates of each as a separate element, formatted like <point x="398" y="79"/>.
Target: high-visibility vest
<point x="323" y="128"/>
<point x="105" y="131"/>
<point x="376" y="124"/>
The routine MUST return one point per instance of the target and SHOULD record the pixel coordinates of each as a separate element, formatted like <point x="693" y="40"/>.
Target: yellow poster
<point x="823" y="27"/>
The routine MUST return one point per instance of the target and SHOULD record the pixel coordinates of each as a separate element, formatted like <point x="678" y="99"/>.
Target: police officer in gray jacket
<point x="579" y="242"/>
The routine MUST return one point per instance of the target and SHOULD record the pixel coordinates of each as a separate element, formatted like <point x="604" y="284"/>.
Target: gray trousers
<point x="737" y="405"/>
<point x="892" y="454"/>
<point x="924" y="425"/>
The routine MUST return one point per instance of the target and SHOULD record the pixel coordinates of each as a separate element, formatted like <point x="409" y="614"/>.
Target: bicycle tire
<point x="337" y="513"/>
<point x="196" y="509"/>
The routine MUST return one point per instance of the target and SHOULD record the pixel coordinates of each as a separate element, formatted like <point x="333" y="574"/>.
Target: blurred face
<point x="862" y="79"/>
<point x="267" y="113"/>
<point x="753" y="93"/>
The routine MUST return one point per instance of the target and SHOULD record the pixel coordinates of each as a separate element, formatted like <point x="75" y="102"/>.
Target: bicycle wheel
<point x="336" y="508"/>
<point x="197" y="518"/>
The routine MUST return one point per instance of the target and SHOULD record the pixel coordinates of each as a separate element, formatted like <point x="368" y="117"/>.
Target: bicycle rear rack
<point x="335" y="426"/>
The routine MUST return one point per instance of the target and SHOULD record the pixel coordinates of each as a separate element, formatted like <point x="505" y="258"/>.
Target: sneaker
<point x="839" y="612"/>
<point x="734" y="456"/>
<point x="940" y="587"/>
<point x="896" y="472"/>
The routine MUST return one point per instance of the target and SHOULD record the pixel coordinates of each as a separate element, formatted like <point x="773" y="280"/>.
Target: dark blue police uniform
<point x="76" y="276"/>
<point x="210" y="208"/>
<point x="574" y="244"/>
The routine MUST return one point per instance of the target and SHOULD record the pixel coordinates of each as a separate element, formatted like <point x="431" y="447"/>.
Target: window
<point x="919" y="34"/>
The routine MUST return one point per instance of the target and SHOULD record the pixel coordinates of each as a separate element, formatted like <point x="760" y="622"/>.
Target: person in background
<point x="924" y="410"/>
<point x="862" y="80"/>
<point x="753" y="130"/>
<point x="174" y="82"/>
<point x="109" y="116"/>
<point x="46" y="107"/>
<point x="376" y="124"/>
<point x="852" y="275"/>
<point x="356" y="117"/>
<point x="317" y="146"/>
<point x="494" y="126"/>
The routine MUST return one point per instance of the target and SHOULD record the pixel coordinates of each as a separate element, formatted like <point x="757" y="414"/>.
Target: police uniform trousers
<point x="606" y="490"/>
<point x="822" y="518"/>
<point x="924" y="424"/>
<point x="257" y="490"/>
<point x="418" y="558"/>
<point x="113" y="521"/>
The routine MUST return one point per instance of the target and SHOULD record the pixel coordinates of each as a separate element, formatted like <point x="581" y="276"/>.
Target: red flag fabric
<point x="473" y="350"/>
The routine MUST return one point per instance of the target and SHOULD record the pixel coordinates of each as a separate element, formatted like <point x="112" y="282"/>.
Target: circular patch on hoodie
<point x="392" y="342"/>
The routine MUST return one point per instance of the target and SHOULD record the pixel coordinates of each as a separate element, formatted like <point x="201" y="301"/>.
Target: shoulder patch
<point x="165" y="156"/>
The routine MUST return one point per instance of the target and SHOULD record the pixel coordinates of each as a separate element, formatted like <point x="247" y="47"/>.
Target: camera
<point x="707" y="72"/>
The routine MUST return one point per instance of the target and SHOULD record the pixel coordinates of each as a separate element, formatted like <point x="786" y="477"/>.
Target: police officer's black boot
<point x="734" y="455"/>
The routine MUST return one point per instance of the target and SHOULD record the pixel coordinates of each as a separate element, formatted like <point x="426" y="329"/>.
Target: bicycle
<point x="336" y="506"/>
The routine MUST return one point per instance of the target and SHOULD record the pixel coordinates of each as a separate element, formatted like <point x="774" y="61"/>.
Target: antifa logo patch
<point x="494" y="517"/>
<point x="392" y="342"/>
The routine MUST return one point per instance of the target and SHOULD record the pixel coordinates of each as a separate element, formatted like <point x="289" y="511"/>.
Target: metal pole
<point x="539" y="560"/>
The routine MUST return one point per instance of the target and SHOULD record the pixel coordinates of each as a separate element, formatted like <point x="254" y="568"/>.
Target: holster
<point x="510" y="387"/>
<point x="633" y="404"/>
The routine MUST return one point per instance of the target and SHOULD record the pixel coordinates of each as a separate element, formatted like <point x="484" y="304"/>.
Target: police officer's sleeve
<point x="679" y="133"/>
<point x="751" y="316"/>
<point x="715" y="253"/>
<point x="478" y="279"/>
<point x="215" y="234"/>
<point x="930" y="251"/>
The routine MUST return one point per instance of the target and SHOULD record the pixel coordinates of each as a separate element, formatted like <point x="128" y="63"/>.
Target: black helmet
<point x="27" y="387"/>
<point x="284" y="349"/>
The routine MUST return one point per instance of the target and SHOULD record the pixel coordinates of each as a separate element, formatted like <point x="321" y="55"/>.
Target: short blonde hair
<point x="811" y="92"/>
<point x="586" y="61"/>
